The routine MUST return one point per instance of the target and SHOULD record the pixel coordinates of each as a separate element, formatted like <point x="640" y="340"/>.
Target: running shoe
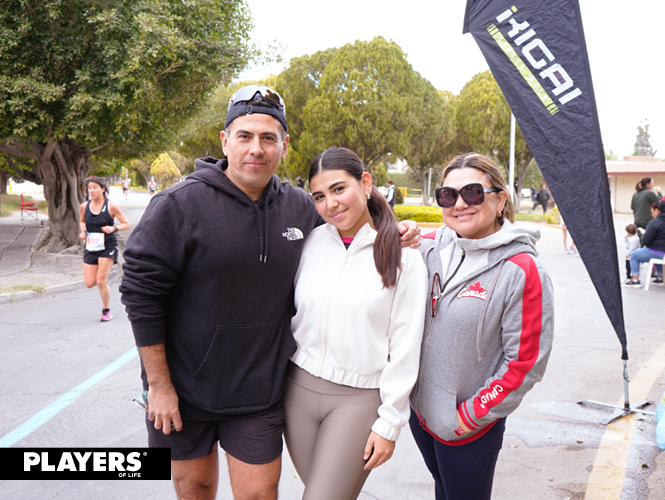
<point x="106" y="315"/>
<point x="634" y="284"/>
<point x="657" y="280"/>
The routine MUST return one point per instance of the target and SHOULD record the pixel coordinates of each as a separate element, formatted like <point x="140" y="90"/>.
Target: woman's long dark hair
<point x="387" y="246"/>
<point x="642" y="185"/>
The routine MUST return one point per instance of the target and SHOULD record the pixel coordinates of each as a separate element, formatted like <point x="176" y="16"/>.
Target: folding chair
<point x="29" y="209"/>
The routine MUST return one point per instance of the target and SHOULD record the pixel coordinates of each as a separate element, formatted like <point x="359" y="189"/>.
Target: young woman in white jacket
<point x="361" y="301"/>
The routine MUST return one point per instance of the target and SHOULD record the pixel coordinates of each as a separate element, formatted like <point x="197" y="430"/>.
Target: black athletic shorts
<point x="109" y="253"/>
<point x="251" y="439"/>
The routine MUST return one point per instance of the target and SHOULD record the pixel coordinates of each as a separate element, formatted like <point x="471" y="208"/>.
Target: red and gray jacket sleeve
<point x="527" y="331"/>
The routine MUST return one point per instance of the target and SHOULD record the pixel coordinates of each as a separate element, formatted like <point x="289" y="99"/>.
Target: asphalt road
<point x="553" y="448"/>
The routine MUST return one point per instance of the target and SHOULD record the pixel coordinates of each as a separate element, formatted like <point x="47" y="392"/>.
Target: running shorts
<point x="251" y="439"/>
<point x="108" y="253"/>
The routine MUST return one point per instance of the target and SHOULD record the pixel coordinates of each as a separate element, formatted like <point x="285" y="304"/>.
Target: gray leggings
<point x="326" y="430"/>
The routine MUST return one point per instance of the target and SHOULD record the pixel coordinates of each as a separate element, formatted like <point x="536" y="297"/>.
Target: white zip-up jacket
<point x="352" y="331"/>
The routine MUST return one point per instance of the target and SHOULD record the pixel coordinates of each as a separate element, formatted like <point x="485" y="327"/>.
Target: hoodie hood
<point x="524" y="237"/>
<point x="211" y="171"/>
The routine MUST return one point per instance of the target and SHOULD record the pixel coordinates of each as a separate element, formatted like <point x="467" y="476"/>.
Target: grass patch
<point x="10" y="203"/>
<point x="23" y="288"/>
<point x="549" y="218"/>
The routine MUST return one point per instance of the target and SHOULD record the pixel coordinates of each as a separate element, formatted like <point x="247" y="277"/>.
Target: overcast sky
<point x="625" y="42"/>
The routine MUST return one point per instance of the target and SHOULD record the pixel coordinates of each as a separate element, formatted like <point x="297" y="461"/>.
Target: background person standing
<point x="390" y="195"/>
<point x="643" y="198"/>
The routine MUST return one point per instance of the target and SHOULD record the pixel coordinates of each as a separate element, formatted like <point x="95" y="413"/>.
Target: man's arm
<point x="151" y="271"/>
<point x="410" y="233"/>
<point x="162" y="397"/>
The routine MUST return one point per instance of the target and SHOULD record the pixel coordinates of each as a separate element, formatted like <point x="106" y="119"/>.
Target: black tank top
<point x="95" y="222"/>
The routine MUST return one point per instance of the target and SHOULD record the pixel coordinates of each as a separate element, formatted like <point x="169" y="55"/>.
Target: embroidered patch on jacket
<point x="476" y="290"/>
<point x="292" y="234"/>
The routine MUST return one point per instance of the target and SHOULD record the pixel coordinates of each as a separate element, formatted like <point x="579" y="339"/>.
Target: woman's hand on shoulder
<point x="378" y="450"/>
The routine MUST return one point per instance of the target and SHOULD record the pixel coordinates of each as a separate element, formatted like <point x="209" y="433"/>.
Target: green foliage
<point x="127" y="72"/>
<point x="611" y="155"/>
<point x="115" y="79"/>
<point x="105" y="167"/>
<point x="418" y="214"/>
<point x="433" y="132"/>
<point x="643" y="145"/>
<point x="360" y="96"/>
<point x="200" y="137"/>
<point x="399" y="196"/>
<point x="165" y="170"/>
<point x="483" y="120"/>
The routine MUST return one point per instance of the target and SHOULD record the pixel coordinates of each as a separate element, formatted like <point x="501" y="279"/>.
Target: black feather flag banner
<point x="537" y="53"/>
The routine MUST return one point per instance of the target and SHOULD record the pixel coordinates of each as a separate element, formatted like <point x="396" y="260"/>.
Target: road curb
<point x="31" y="294"/>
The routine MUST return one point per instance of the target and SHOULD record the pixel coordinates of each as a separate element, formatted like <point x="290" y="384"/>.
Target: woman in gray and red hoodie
<point x="488" y="333"/>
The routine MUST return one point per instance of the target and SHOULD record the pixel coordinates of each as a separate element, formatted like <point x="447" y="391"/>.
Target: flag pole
<point x="627" y="408"/>
<point x="511" y="169"/>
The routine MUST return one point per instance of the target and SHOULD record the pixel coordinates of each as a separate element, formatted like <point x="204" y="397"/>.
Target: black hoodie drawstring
<point x="263" y="229"/>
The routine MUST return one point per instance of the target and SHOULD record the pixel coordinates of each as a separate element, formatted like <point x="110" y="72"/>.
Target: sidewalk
<point x="24" y="274"/>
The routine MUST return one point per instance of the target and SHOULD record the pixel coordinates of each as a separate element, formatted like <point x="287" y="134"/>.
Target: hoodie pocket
<point x="438" y="407"/>
<point x="244" y="366"/>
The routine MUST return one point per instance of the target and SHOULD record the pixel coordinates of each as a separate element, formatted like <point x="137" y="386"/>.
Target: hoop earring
<point x="369" y="195"/>
<point x="498" y="214"/>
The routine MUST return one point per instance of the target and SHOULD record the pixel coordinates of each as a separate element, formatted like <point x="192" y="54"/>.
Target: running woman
<point x="101" y="246"/>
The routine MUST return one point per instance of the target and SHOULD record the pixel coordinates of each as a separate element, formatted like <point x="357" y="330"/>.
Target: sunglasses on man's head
<point x="247" y="94"/>
<point x="472" y="194"/>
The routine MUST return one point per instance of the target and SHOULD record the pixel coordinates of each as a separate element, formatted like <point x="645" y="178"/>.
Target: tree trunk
<point x="61" y="167"/>
<point x="4" y="177"/>
<point x="425" y="184"/>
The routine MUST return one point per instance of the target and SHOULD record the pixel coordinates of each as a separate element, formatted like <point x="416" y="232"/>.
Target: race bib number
<point x="94" y="242"/>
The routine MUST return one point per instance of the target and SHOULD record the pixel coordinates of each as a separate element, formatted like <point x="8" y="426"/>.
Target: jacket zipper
<point x="330" y="301"/>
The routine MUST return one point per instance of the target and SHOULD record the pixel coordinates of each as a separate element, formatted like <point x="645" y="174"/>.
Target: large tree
<point x="483" y="121"/>
<point x="643" y="145"/>
<point x="79" y="76"/>
<point x="359" y="96"/>
<point x="297" y="84"/>
<point x="433" y="134"/>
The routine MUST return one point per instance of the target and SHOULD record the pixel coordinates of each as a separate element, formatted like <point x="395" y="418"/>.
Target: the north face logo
<point x="476" y="290"/>
<point x="292" y="234"/>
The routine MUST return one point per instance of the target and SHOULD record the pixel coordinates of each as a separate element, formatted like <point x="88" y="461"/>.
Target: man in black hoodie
<point x="207" y="285"/>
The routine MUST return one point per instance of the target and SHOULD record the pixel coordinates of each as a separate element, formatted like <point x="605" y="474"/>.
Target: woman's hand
<point x="83" y="235"/>
<point x="109" y="229"/>
<point x="461" y="424"/>
<point x="378" y="450"/>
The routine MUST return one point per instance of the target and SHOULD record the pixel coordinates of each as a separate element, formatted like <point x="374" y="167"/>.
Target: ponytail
<point x="642" y="185"/>
<point x="387" y="246"/>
